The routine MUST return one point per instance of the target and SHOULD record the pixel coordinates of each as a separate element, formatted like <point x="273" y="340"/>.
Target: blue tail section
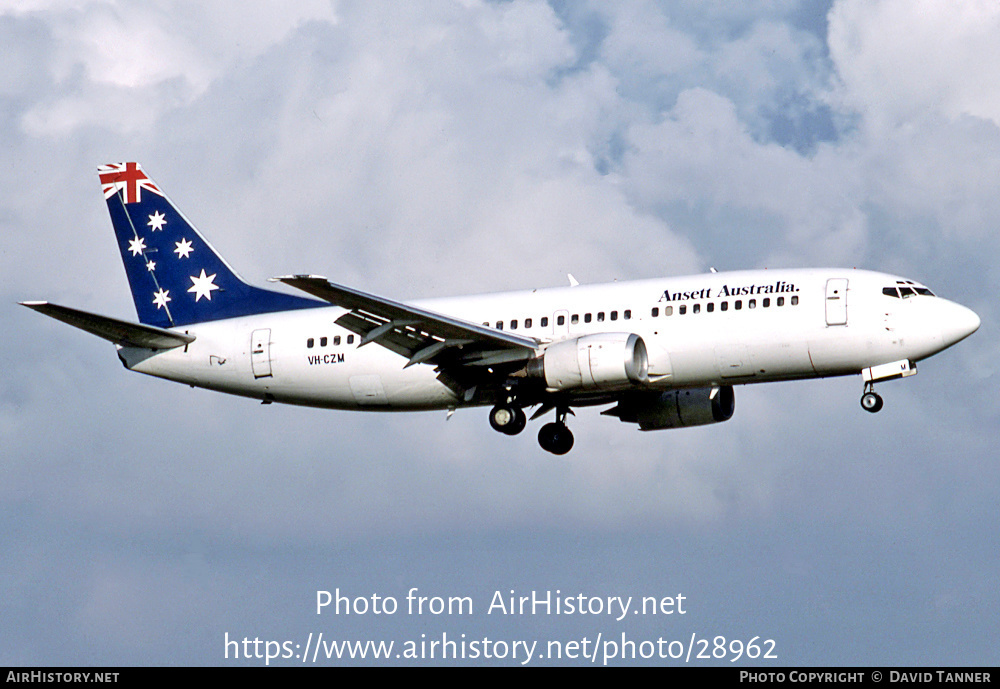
<point x="176" y="277"/>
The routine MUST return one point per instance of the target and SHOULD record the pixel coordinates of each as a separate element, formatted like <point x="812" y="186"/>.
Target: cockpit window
<point x="905" y="290"/>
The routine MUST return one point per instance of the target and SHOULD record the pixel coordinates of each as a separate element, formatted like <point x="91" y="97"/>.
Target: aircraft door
<point x="260" y="353"/>
<point x="836" y="301"/>
<point x="560" y="330"/>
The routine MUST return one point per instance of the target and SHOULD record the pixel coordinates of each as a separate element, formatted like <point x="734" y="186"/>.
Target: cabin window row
<point x="766" y="302"/>
<point x="574" y="319"/>
<point x="324" y="341"/>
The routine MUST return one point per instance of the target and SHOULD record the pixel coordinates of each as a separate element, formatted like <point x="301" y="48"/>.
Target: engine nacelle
<point x="593" y="362"/>
<point x="678" y="408"/>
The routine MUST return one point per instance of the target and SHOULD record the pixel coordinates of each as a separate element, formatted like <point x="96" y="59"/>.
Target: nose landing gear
<point x="871" y="401"/>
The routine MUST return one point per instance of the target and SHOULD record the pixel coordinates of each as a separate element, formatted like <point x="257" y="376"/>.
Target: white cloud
<point x="924" y="81"/>
<point x="109" y="59"/>
<point x="901" y="61"/>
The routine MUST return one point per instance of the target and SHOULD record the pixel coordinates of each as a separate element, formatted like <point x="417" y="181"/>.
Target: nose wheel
<point x="871" y="401"/>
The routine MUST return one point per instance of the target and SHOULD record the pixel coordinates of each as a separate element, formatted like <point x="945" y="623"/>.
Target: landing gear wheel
<point x="555" y="438"/>
<point x="509" y="420"/>
<point x="871" y="402"/>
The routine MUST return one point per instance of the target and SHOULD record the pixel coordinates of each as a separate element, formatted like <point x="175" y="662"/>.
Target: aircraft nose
<point x="959" y="323"/>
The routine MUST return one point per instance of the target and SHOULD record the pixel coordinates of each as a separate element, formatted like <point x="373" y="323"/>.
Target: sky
<point x="428" y="149"/>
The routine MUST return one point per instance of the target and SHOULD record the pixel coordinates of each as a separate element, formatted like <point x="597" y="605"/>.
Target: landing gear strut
<point x="556" y="437"/>
<point x="871" y="401"/>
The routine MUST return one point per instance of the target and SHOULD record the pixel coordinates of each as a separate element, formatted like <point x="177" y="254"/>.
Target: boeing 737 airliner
<point x="661" y="353"/>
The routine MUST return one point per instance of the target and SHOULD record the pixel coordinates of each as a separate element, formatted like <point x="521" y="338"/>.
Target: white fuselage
<point x="700" y="330"/>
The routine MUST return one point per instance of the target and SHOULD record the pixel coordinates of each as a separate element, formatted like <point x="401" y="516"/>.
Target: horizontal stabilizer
<point x="120" y="332"/>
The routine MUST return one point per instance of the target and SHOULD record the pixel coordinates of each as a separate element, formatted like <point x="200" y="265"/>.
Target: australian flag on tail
<point x="176" y="277"/>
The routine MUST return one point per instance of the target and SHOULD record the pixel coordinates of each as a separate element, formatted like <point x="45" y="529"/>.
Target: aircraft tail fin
<point x="176" y="277"/>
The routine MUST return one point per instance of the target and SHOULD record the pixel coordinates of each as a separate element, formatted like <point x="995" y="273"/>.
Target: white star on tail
<point x="151" y="266"/>
<point x="183" y="249"/>
<point x="137" y="245"/>
<point x="160" y="298"/>
<point x="157" y="220"/>
<point x="202" y="285"/>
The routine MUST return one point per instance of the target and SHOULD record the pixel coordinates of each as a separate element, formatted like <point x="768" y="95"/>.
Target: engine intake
<point x="677" y="408"/>
<point x="593" y="362"/>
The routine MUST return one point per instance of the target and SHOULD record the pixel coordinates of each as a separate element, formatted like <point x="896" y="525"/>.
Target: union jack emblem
<point x="128" y="177"/>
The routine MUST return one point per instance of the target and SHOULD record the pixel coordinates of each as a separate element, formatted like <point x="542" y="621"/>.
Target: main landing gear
<point x="871" y="401"/>
<point x="556" y="437"/>
<point x="553" y="437"/>
<point x="508" y="419"/>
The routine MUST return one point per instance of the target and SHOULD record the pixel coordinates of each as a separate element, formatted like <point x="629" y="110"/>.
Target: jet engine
<point x="677" y="408"/>
<point x="593" y="362"/>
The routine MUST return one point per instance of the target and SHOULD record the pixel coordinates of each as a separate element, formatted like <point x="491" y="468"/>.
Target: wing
<point x="111" y="329"/>
<point x="420" y="335"/>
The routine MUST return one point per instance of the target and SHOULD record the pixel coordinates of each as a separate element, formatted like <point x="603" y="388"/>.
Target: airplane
<point x="660" y="353"/>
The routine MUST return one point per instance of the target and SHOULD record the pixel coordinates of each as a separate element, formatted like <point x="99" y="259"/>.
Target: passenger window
<point x="561" y="320"/>
<point x="499" y="325"/>
<point x="600" y="316"/>
<point x="710" y="307"/>
<point x="527" y="322"/>
<point x="738" y="305"/>
<point x="545" y="321"/>
<point x="655" y="312"/>
<point x="336" y="340"/>
<point x="681" y="310"/>
<point x="322" y="342"/>
<point x="767" y="302"/>
<point x="350" y="339"/>
<point x="587" y="317"/>
<point x="310" y="342"/>
<point x="575" y="318"/>
<point x="628" y="314"/>
<point x="696" y="308"/>
<point x="668" y="310"/>
<point x="614" y="315"/>
<point x="513" y="324"/>
<point x="752" y="304"/>
<point x="781" y="301"/>
<point x="795" y="301"/>
<point x="724" y="306"/>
